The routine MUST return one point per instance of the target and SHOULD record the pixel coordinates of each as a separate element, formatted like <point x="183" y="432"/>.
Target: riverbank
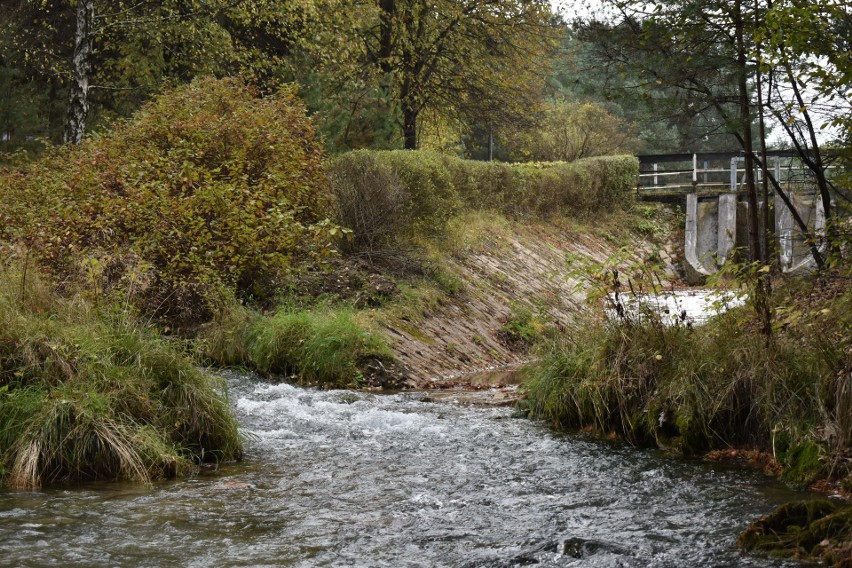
<point x="209" y="228"/>
<point x="709" y="388"/>
<point x="351" y="478"/>
<point x="88" y="393"/>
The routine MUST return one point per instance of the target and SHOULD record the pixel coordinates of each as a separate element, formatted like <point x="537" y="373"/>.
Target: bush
<point x="371" y="201"/>
<point x="83" y="397"/>
<point x="207" y="188"/>
<point x="422" y="190"/>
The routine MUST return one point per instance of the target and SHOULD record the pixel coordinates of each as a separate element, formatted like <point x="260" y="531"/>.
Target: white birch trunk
<point x="78" y="103"/>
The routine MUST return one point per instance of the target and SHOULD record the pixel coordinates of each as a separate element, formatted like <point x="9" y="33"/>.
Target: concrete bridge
<point x="717" y="212"/>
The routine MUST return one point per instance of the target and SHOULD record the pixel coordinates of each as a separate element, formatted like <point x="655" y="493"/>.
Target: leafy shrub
<point x="423" y="190"/>
<point x="85" y="397"/>
<point x="371" y="201"/>
<point x="207" y="188"/>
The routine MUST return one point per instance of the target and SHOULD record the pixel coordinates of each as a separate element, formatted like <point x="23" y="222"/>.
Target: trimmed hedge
<point x="421" y="190"/>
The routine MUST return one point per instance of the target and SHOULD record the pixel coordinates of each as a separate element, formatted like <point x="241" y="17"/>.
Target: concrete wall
<point x="715" y="226"/>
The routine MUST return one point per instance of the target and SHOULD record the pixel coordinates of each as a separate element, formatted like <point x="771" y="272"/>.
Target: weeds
<point x="697" y="388"/>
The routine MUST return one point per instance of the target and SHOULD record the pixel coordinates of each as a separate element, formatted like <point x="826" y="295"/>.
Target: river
<point x="338" y="478"/>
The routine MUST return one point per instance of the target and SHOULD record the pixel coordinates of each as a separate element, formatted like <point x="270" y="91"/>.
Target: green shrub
<point x="525" y="327"/>
<point x="83" y="396"/>
<point x="422" y="190"/>
<point x="207" y="188"/>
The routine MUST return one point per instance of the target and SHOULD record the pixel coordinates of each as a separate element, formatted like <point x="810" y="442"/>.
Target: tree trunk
<point x="814" y="159"/>
<point x="409" y="125"/>
<point x="78" y="103"/>
<point x="768" y="253"/>
<point x="386" y="35"/>
<point x="761" y="299"/>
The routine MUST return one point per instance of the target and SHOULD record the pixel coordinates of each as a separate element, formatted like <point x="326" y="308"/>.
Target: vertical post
<point x="733" y="174"/>
<point x="706" y="167"/>
<point x="778" y="169"/>
<point x="694" y="171"/>
<point x="656" y="181"/>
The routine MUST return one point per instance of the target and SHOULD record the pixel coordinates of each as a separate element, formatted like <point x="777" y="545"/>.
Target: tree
<point x="570" y="130"/>
<point x="587" y="70"/>
<point x="123" y="51"/>
<point x="701" y="51"/>
<point x="467" y="58"/>
<point x="809" y="61"/>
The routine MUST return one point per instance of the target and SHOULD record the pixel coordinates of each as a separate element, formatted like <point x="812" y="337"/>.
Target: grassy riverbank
<point x="89" y="393"/>
<point x="693" y="389"/>
<point x="721" y="388"/>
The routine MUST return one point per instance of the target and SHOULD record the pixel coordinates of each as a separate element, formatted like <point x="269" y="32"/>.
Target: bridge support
<point x="714" y="227"/>
<point x="794" y="254"/>
<point x="711" y="232"/>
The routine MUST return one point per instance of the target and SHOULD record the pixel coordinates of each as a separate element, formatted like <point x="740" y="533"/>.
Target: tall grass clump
<point x="322" y="346"/>
<point x="711" y="386"/>
<point x="85" y="396"/>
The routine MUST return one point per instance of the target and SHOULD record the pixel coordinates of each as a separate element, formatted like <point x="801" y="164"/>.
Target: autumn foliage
<point x="207" y="189"/>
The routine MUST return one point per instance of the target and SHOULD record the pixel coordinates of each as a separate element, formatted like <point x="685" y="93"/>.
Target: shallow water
<point x="351" y="479"/>
<point x="693" y="305"/>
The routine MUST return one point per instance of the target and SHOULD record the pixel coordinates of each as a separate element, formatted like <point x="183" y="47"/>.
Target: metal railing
<point x="714" y="173"/>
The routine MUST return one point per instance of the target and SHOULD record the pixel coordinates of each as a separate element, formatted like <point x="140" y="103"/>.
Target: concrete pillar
<point x="793" y="252"/>
<point x="727" y="223"/>
<point x="784" y="233"/>
<point x="734" y="174"/>
<point x="698" y="247"/>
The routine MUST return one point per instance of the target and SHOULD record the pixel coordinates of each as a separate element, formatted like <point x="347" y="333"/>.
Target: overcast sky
<point x="573" y="9"/>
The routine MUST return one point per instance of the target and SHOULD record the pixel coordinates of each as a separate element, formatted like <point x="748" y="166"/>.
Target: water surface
<point x="350" y="479"/>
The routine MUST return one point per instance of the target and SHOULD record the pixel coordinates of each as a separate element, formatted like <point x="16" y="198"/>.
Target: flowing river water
<point x="336" y="478"/>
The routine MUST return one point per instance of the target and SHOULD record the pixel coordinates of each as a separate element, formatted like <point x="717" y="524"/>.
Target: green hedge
<point x="428" y="188"/>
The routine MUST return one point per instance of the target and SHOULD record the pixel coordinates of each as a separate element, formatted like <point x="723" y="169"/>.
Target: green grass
<point x="714" y="386"/>
<point x="86" y="395"/>
<point x="326" y="346"/>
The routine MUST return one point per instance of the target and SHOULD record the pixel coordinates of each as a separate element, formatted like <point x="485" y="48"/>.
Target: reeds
<point x="698" y="388"/>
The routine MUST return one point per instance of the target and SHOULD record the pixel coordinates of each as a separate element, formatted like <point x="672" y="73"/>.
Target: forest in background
<point x="502" y="79"/>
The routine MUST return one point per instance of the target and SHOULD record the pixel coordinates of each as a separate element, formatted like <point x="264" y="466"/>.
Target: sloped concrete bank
<point x="522" y="268"/>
